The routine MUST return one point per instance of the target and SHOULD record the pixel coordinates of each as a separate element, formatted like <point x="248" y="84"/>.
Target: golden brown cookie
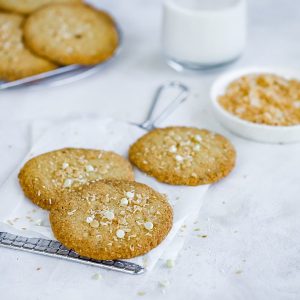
<point x="183" y="155"/>
<point x="16" y="61"/>
<point x="111" y="219"/>
<point x="71" y="34"/>
<point x="28" y="6"/>
<point x="43" y="177"/>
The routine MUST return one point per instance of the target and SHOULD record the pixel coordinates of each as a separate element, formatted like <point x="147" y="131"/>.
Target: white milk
<point x="203" y="33"/>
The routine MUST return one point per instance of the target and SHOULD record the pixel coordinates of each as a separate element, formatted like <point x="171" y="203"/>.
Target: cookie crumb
<point x="164" y="283"/>
<point x="10" y="222"/>
<point x="170" y="263"/>
<point x="38" y="222"/>
<point x="202" y="236"/>
<point x="96" y="276"/>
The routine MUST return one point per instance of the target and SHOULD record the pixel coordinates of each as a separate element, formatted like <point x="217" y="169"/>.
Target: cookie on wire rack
<point x="71" y="34"/>
<point x="43" y="177"/>
<point x="183" y="155"/>
<point x="111" y="219"/>
<point x="16" y="61"/>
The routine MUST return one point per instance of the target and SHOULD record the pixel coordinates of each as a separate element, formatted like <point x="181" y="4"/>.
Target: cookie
<point x="46" y="175"/>
<point x="111" y="219"/>
<point x="183" y="155"/>
<point x="28" y="6"/>
<point x="71" y="34"/>
<point x="16" y="61"/>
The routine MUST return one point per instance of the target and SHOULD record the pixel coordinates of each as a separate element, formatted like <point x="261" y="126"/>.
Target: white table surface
<point x="251" y="219"/>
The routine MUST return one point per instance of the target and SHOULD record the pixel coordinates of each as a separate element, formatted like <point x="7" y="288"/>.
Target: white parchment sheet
<point x="19" y="215"/>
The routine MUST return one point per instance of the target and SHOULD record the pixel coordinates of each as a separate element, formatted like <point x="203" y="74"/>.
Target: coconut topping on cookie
<point x="67" y="169"/>
<point x="126" y="231"/>
<point x="97" y="217"/>
<point x="183" y="155"/>
<point x="108" y="215"/>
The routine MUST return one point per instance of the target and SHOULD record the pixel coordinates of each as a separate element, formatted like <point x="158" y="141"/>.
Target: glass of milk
<point x="201" y="34"/>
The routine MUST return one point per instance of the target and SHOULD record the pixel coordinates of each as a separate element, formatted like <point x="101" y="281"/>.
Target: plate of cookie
<point x="53" y="41"/>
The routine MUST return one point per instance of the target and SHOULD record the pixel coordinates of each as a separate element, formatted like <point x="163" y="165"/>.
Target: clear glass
<point x="197" y="35"/>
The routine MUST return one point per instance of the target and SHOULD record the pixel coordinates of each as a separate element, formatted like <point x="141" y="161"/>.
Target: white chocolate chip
<point x="179" y="158"/>
<point x="197" y="147"/>
<point x="148" y="225"/>
<point x="68" y="182"/>
<point x="198" y="138"/>
<point x="65" y="165"/>
<point x="90" y="219"/>
<point x="173" y="149"/>
<point x="120" y="233"/>
<point x="109" y="215"/>
<point x="130" y="195"/>
<point x="124" y="202"/>
<point x="89" y="168"/>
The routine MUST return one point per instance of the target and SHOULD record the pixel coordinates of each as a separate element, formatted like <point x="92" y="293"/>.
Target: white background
<point x="251" y="219"/>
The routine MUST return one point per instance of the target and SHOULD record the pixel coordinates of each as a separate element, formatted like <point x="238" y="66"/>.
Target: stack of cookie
<point x="39" y="36"/>
<point x="96" y="207"/>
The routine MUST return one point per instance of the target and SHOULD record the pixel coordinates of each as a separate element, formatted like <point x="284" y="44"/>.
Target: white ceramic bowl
<point x="246" y="129"/>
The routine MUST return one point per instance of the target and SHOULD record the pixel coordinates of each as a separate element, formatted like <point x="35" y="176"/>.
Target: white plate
<point x="246" y="129"/>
